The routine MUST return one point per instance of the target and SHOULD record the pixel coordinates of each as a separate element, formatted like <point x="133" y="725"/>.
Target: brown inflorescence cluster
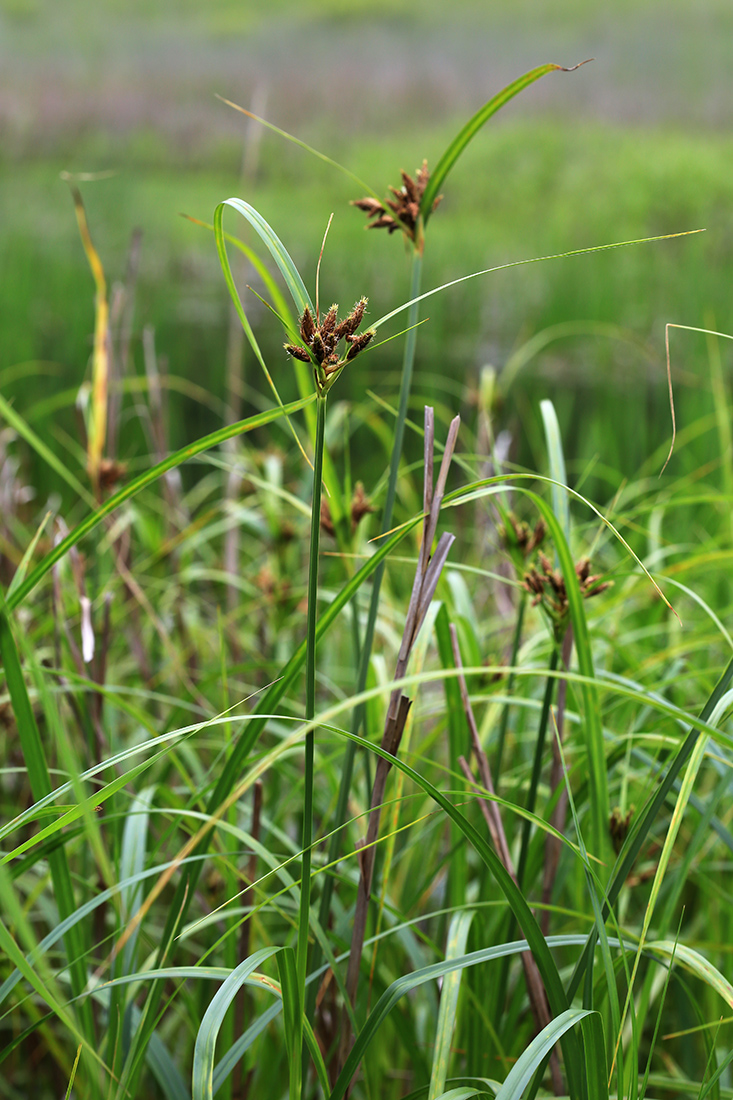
<point x="405" y="204"/>
<point x="322" y="337"/>
<point x="547" y="585"/>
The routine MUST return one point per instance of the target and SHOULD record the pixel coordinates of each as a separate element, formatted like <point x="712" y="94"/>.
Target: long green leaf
<point x="522" y="263"/>
<point x="532" y="1058"/>
<point x="472" y="127"/>
<point x="521" y="910"/>
<point x="556" y="459"/>
<point x="276" y="248"/>
<point x="38" y="776"/>
<point x="205" y="1046"/>
<point x="456" y="946"/>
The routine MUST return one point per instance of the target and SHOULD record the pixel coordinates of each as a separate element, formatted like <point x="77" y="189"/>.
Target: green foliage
<point x="169" y="648"/>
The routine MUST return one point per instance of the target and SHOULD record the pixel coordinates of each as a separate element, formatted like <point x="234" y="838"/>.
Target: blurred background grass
<point x="635" y="144"/>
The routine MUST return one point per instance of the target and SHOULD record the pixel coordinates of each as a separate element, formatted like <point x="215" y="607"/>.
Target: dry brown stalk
<point x="535" y="986"/>
<point x="427" y="575"/>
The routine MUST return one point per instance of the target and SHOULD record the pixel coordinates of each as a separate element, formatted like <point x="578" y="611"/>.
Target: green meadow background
<point x="635" y="144"/>
<point x="197" y="590"/>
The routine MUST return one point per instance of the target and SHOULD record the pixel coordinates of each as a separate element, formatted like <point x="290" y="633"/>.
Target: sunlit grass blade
<point x="527" y="1064"/>
<point x="274" y="245"/>
<point x="97" y="427"/>
<point x="456" y="946"/>
<point x="73" y="1072"/>
<point x="208" y="1032"/>
<point x="147" y="478"/>
<point x="556" y="458"/>
<point x="472" y="127"/>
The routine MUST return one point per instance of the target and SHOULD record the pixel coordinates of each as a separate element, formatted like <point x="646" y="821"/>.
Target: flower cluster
<point x="321" y="339"/>
<point x="405" y="205"/>
<point x="547" y="585"/>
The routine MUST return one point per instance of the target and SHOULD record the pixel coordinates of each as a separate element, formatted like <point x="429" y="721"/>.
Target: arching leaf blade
<point x="472" y="127"/>
<point x="276" y="248"/>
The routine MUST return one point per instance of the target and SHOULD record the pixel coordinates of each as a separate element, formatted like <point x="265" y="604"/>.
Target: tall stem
<point x="310" y="699"/>
<point x="408" y="361"/>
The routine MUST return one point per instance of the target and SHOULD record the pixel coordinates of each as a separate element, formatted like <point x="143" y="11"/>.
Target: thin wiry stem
<point x="310" y="699"/>
<point x="408" y="362"/>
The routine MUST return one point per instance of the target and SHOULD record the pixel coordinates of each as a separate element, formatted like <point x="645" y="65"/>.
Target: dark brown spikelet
<point x="298" y="353"/>
<point x="404" y="204"/>
<point x="412" y="188"/>
<point x="307" y="326"/>
<point x="358" y="343"/>
<point x="329" y="321"/>
<point x="350" y="324"/>
<point x="385" y="222"/>
<point x="372" y="207"/>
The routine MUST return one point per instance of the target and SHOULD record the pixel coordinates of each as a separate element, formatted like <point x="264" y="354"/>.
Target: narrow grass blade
<point x="456" y="946"/>
<point x="38" y="776"/>
<point x="97" y="431"/>
<point x="292" y="1019"/>
<point x="301" y="144"/>
<point x="533" y="260"/>
<point x="137" y="484"/>
<point x="529" y="1062"/>
<point x="472" y="127"/>
<point x="697" y="964"/>
<point x="275" y="247"/>
<point x="73" y="1073"/>
<point x="560" y="504"/>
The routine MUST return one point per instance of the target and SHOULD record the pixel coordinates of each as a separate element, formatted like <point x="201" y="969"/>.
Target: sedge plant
<point x="124" y="966"/>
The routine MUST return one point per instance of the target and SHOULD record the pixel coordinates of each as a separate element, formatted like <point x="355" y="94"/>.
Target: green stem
<point x="310" y="702"/>
<point x="537" y="767"/>
<point x="510" y="685"/>
<point x="408" y="362"/>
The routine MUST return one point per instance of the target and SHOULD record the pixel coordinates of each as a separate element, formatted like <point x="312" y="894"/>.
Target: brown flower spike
<point x="405" y="205"/>
<point x="321" y="339"/>
<point x="548" y="588"/>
